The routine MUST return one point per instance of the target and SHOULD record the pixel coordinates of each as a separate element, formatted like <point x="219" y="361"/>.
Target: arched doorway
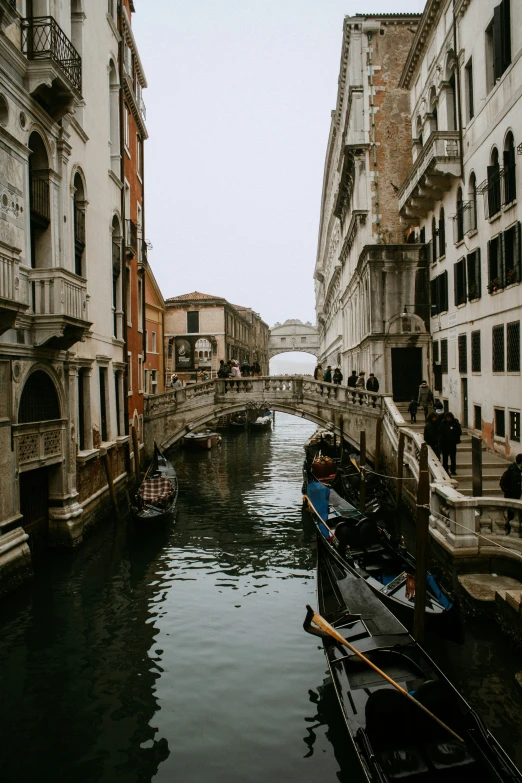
<point x="39" y="403"/>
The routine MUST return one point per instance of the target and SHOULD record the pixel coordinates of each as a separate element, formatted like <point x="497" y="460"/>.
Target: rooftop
<point x="195" y="296"/>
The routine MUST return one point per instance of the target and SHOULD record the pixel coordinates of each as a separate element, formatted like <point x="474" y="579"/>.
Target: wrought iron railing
<point x="40" y="203"/>
<point x="43" y="38"/>
<point x="131" y="235"/>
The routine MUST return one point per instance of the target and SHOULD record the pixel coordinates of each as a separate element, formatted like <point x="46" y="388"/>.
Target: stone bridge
<point x="457" y="522"/>
<point x="294" y="335"/>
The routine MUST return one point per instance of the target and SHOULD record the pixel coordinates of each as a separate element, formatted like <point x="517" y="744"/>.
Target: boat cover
<point x="319" y="496"/>
<point x="156" y="489"/>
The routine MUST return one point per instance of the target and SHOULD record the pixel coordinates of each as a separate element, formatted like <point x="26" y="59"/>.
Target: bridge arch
<point x="294" y="335"/>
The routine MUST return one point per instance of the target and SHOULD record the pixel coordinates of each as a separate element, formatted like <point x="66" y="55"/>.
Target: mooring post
<point x="362" y="493"/>
<point x="422" y="534"/>
<point x="136" y="449"/>
<point x="476" y="465"/>
<point x="378" y="435"/>
<point x="110" y="482"/>
<point x="400" y="466"/>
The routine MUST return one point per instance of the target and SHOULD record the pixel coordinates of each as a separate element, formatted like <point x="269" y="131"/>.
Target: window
<point x="473" y="275"/>
<point x="139" y="161"/>
<point x="82" y="377"/>
<point x="476" y="359"/>
<point x="422" y="235"/>
<point x="154" y="343"/>
<point x="493" y="184"/>
<point x="439" y="294"/>
<point x="140" y="374"/>
<point x="463" y="353"/>
<point x="140" y="304"/>
<point x="498" y="348"/>
<point x="126" y="127"/>
<point x="129" y="371"/>
<point x="442" y="233"/>
<point x="434" y="238"/>
<point x="510" y="183"/>
<point x="303" y="339"/>
<point x="103" y="405"/>
<point x="459" y="218"/>
<point x="459" y="277"/>
<point x="444" y="355"/>
<point x="500" y="423"/>
<point x="469" y="90"/>
<point x="495" y="263"/>
<point x="514" y="426"/>
<point x="117" y="398"/>
<point x="451" y="103"/>
<point x="513" y="346"/>
<point x="154" y="381"/>
<point x="128" y="296"/>
<point x="436" y="351"/>
<point x="498" y="43"/>
<point x="470" y="214"/>
<point x="79" y="225"/>
<point x="193" y="322"/>
<point x="477" y="416"/>
<point x="511" y="256"/>
<point x="283" y="339"/>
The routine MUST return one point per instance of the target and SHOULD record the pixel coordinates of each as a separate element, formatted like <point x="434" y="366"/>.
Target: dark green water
<point x="182" y="657"/>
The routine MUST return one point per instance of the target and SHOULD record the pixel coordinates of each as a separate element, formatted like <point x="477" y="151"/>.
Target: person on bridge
<point x="328" y="375"/>
<point x="352" y="380"/>
<point x="372" y="384"/>
<point x="337" y="376"/>
<point x="175" y="382"/>
<point x="425" y="398"/>
<point x="431" y="433"/>
<point x="359" y="384"/>
<point x="318" y="372"/>
<point x="511" y="486"/>
<point x="256" y="370"/>
<point x="449" y="437"/>
<point x="245" y="369"/>
<point x="224" y="370"/>
<point x="412" y="410"/>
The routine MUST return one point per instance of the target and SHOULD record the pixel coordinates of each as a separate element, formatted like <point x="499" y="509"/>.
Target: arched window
<point x="510" y="184"/>
<point x="494" y="184"/>
<point x="460" y="216"/>
<point x="419" y="131"/>
<point x="114" y="117"/>
<point x="434" y="238"/>
<point x="39" y="401"/>
<point x="442" y="233"/>
<point x="472" y="196"/>
<point x="79" y="225"/>
<point x="40" y="204"/>
<point x="116" y="276"/>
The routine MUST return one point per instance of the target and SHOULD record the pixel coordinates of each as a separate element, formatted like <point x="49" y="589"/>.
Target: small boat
<point x="394" y="738"/>
<point x="357" y="543"/>
<point x="263" y="422"/>
<point x="238" y="419"/>
<point x="156" y="498"/>
<point x="201" y="440"/>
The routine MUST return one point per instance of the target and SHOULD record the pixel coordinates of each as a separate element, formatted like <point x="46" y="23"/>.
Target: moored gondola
<point x="359" y="544"/>
<point x="261" y="423"/>
<point x="155" y="501"/>
<point x="423" y="730"/>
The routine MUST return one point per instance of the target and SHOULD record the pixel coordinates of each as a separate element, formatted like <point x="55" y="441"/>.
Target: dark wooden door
<point x="464" y="420"/>
<point x="34" y="506"/>
<point x="406" y="373"/>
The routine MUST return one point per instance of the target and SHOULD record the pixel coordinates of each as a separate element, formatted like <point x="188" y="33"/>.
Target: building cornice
<point x="419" y="44"/>
<point x="129" y="36"/>
<point x="131" y="99"/>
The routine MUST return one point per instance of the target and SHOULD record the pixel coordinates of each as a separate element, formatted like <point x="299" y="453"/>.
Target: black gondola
<point x="366" y="549"/>
<point x="393" y="738"/>
<point x="155" y="501"/>
<point x="262" y="423"/>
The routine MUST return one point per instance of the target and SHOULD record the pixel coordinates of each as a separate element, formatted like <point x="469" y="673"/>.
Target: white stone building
<point x="366" y="275"/>
<point x="62" y="400"/>
<point x="462" y="197"/>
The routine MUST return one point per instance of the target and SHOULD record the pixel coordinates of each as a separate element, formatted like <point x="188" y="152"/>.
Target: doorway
<point x="406" y="373"/>
<point x="464" y="392"/>
<point x="34" y="507"/>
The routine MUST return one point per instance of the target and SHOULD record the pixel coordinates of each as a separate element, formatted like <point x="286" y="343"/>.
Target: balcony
<point x="38" y="444"/>
<point x="131" y="238"/>
<point x="60" y="311"/>
<point x="437" y="165"/>
<point x="12" y="301"/>
<point x="54" y="72"/>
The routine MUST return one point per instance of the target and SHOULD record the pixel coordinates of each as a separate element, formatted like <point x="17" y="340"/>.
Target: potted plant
<point x="494" y="285"/>
<point x="511" y="276"/>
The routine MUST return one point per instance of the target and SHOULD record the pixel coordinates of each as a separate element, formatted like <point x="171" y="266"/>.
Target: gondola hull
<point x="149" y="513"/>
<point x="201" y="440"/>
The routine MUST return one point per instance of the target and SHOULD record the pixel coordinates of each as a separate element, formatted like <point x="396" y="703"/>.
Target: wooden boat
<point x="262" y="423"/>
<point x="238" y="419"/>
<point x="156" y="498"/>
<point x="360" y="545"/>
<point x="201" y="440"/>
<point x="393" y="738"/>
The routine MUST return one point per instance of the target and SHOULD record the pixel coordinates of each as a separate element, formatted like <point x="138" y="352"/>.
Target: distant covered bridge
<point x="294" y="335"/>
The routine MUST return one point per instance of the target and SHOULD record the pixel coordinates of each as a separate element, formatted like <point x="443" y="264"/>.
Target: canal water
<point x="181" y="656"/>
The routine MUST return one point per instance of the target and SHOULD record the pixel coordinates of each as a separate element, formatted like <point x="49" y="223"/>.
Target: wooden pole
<point x="476" y="465"/>
<point x="378" y="435"/>
<point x="362" y="492"/>
<point x="400" y="466"/>
<point x="136" y="449"/>
<point x="422" y="531"/>
<point x="110" y="482"/>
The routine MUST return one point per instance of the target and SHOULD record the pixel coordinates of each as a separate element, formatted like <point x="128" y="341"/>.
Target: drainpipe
<point x="369" y="27"/>
<point x="457" y="97"/>
<point x="125" y="282"/>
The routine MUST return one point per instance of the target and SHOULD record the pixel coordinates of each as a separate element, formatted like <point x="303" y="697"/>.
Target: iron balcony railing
<point x="40" y="204"/>
<point x="43" y="38"/>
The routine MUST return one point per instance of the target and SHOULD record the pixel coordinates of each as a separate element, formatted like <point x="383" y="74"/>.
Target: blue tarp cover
<point x="319" y="497"/>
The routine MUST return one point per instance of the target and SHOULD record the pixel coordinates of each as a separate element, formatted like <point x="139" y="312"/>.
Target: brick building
<point x="154" y="315"/>
<point x="366" y="275"/>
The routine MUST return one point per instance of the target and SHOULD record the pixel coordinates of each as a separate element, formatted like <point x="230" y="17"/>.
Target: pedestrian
<point x="412" y="410"/>
<point x="318" y="372"/>
<point x="256" y="370"/>
<point x="449" y="437"/>
<point x="511" y="486"/>
<point x="175" y="382"/>
<point x="372" y="384"/>
<point x="359" y="384"/>
<point x="224" y="370"/>
<point x="236" y="372"/>
<point x="245" y="369"/>
<point x="328" y="375"/>
<point x="337" y="376"/>
<point x="425" y="398"/>
<point x="352" y="379"/>
<point x="431" y="433"/>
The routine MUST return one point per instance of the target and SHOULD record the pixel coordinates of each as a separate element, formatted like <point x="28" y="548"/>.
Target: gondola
<point x="393" y="738"/>
<point x="156" y="498"/>
<point x="238" y="419"/>
<point x="365" y="548"/>
<point x="262" y="423"/>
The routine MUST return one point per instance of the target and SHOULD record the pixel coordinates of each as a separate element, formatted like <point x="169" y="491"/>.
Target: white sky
<point x="238" y="113"/>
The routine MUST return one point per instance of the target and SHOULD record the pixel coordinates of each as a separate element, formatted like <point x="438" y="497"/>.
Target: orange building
<point x="134" y="132"/>
<point x="154" y="315"/>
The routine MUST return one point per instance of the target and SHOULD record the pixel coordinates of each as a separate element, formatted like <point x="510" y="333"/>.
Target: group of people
<point x="355" y="380"/>
<point x="232" y="369"/>
<point x="442" y="431"/>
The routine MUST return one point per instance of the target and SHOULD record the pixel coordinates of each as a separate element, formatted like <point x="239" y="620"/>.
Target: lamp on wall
<point x="416" y="304"/>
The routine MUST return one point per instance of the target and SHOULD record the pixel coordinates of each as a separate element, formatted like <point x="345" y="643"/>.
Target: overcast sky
<point x="238" y="114"/>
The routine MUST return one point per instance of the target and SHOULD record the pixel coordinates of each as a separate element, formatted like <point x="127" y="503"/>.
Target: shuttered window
<point x="473" y="275"/>
<point x="463" y="353"/>
<point x="444" y="355"/>
<point x="459" y="278"/>
<point x="498" y="348"/>
<point x="513" y="346"/>
<point x="476" y="358"/>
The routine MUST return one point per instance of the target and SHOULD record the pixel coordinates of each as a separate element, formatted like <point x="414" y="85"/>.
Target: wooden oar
<point x="321" y="623"/>
<point x="318" y="515"/>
